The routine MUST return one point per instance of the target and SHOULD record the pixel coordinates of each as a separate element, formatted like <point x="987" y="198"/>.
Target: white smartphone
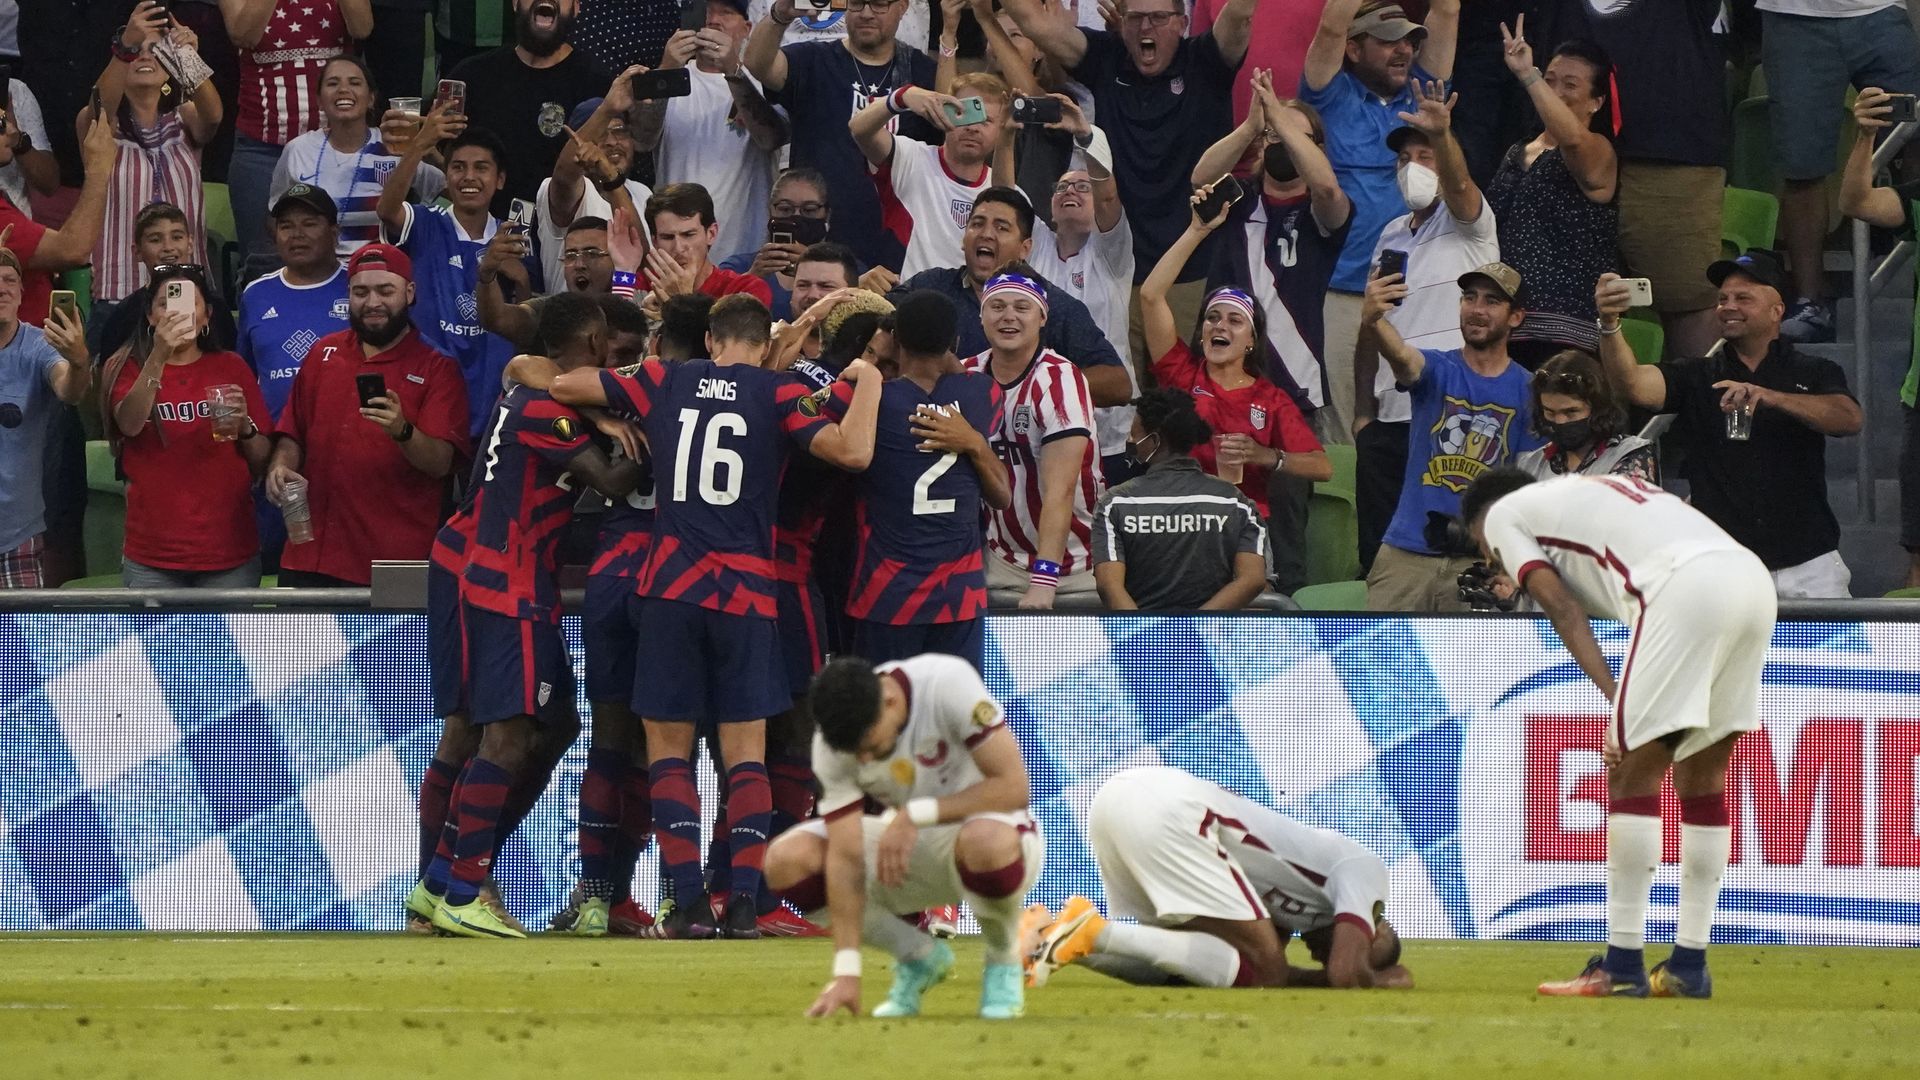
<point x="520" y="214"/>
<point x="1639" y="291"/>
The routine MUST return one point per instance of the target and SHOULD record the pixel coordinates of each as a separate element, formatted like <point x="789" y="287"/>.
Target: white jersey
<point x="553" y="238"/>
<point x="1614" y="540"/>
<point x="1429" y="318"/>
<point x="1099" y="275"/>
<point x="702" y="143"/>
<point x="949" y="712"/>
<point x="925" y="205"/>
<point x="1049" y="401"/>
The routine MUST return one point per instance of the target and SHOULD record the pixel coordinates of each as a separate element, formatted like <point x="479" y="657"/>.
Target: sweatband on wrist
<point x="1045" y="566"/>
<point x="1531" y="77"/>
<point x="924" y="811"/>
<point x="624" y="283"/>
<point x="846" y="963"/>
<point x="897" y="101"/>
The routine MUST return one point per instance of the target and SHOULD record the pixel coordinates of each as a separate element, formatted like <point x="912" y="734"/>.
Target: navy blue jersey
<point x="519" y="503"/>
<point x="920" y="511"/>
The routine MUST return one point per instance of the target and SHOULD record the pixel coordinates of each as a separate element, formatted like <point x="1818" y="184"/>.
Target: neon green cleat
<point x="473" y="919"/>
<point x="420" y="905"/>
<point x="1001" y="994"/>
<point x="912" y="978"/>
<point x="593" y="918"/>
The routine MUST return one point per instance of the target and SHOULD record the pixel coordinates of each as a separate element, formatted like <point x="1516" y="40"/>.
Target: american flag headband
<point x="1016" y="283"/>
<point x="1232" y="298"/>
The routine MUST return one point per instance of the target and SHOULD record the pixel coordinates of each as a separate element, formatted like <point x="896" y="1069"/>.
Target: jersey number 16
<point x="713" y="457"/>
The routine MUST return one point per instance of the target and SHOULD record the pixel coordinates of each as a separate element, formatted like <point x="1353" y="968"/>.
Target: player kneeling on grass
<point x="1219" y="884"/>
<point x="925" y="739"/>
<point x="1702" y="611"/>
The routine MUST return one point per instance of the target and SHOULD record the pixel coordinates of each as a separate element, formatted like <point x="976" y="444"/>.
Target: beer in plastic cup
<point x="1740" y="424"/>
<point x="227" y="406"/>
<point x="293" y="508"/>
<point x="1231" y="471"/>
<point x="408" y="105"/>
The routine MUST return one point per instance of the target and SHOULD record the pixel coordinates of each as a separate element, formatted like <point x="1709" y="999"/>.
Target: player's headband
<point x="1232" y="297"/>
<point x="1015" y="283"/>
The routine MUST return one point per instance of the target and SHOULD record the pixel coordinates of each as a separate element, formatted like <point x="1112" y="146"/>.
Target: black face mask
<point x="1136" y="453"/>
<point x="1572" y="435"/>
<point x="1279" y="164"/>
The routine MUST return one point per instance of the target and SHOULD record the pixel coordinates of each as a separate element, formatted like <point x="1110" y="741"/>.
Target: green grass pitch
<point x="105" y="1006"/>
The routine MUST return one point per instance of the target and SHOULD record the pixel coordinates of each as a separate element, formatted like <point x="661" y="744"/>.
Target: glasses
<point x="1078" y="187"/>
<point x="574" y="255"/>
<point x="1155" y="19"/>
<point x="787" y="208"/>
<point x="878" y="5"/>
<point x="1564" y="382"/>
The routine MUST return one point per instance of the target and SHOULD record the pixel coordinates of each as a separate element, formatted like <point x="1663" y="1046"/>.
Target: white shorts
<point x="1158" y="864"/>
<point x="933" y="877"/>
<point x="1695" y="659"/>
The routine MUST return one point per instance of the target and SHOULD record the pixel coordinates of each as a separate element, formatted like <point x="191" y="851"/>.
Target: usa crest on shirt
<point x="1258" y="415"/>
<point x="962" y="210"/>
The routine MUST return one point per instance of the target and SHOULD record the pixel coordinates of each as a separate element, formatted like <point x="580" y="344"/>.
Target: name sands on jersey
<point x="717" y="390"/>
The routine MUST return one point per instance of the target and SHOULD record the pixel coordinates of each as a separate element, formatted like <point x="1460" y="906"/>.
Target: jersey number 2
<point x="712" y="457"/>
<point x="923" y="486"/>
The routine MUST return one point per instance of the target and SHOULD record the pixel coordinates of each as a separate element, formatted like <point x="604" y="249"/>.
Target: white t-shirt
<point x="925" y="205"/>
<point x="24" y="115"/>
<point x="553" y="239"/>
<point x="1099" y="275"/>
<point x="1827" y="9"/>
<point x="1429" y="318"/>
<point x="949" y="712"/>
<point x="1613" y="539"/>
<point x="703" y="144"/>
<point x="353" y="179"/>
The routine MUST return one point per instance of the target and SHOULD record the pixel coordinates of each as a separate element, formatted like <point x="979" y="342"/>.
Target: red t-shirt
<point x="1263" y="411"/>
<point x="36" y="297"/>
<point x="189" y="498"/>
<point x="369" y="503"/>
<point x="721" y="283"/>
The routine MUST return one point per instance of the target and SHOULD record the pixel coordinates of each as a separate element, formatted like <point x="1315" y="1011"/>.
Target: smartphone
<point x="1901" y="108"/>
<point x="1037" y="110"/>
<point x="780" y="236"/>
<point x="520" y="214"/>
<point x="813" y="5"/>
<point x="1640" y="291"/>
<point x="693" y="15"/>
<point x="453" y="90"/>
<point x="1226" y="192"/>
<point x="968" y="111"/>
<point x="180" y="297"/>
<point x="655" y="85"/>
<point x="1392" y="261"/>
<point x="68" y="301"/>
<point x="370" y="387"/>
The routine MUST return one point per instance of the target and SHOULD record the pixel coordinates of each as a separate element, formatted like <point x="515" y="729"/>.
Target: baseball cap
<point x="1400" y="136"/>
<point x="1386" y="22"/>
<point x="583" y="112"/>
<point x="380" y="257"/>
<point x="1504" y="277"/>
<point x="308" y="197"/>
<point x="1759" y="265"/>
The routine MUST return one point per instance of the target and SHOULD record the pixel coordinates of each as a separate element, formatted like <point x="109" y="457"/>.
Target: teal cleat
<point x="912" y="978"/>
<point x="1001" y="995"/>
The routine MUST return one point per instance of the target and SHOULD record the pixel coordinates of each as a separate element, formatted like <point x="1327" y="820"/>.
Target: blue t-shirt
<point x="1463" y="425"/>
<point x="445" y="267"/>
<point x="279" y="322"/>
<point x="782" y="296"/>
<point x="1357" y="123"/>
<point x="26" y="407"/>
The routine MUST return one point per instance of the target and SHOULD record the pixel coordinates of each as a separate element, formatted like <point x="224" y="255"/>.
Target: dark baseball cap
<point x="1386" y="22"/>
<point x="1400" y="136"/>
<point x="307" y="197"/>
<point x="1761" y="266"/>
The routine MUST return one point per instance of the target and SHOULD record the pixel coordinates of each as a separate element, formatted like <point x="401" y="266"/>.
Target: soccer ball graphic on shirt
<point x="1470" y="439"/>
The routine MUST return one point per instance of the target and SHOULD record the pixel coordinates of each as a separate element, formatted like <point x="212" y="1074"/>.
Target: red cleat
<point x="781" y="922"/>
<point x="628" y="919"/>
<point x="941" y="922"/>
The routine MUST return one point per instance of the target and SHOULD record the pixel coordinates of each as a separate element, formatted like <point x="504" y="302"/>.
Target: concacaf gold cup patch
<point x="810" y="405"/>
<point x="903" y="772"/>
<point x="564" y="430"/>
<point x="983" y="714"/>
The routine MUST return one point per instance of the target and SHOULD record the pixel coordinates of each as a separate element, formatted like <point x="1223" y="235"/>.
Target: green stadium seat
<point x="104" y="532"/>
<point x="1904" y="594"/>
<point x="1647" y="339"/>
<point x="1748" y="220"/>
<point x="80" y="281"/>
<point x="1333" y="596"/>
<point x="1752" y="165"/>
<point x="1333" y="523"/>
<point x="223" y="246"/>
<point x="97" y="581"/>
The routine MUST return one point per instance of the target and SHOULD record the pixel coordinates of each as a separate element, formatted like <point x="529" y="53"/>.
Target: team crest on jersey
<point x="983" y="714"/>
<point x="1079" y="279"/>
<point x="339" y="310"/>
<point x="962" y="210"/>
<point x="1178" y="85"/>
<point x="1022" y="419"/>
<point x="1258" y="414"/>
<point x="1469" y="439"/>
<point x="810" y="405"/>
<point x="383" y="166"/>
<point x="564" y="430"/>
<point x="546" y="692"/>
<point x="469" y="308"/>
<point x="903" y="772"/>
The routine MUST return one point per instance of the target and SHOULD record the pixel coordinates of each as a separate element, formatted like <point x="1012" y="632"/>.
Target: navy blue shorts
<point x="881" y="642"/>
<point x="446" y="643"/>
<point x="706" y="665"/>
<point x="609" y="637"/>
<point x="803" y="639"/>
<point x="515" y="667"/>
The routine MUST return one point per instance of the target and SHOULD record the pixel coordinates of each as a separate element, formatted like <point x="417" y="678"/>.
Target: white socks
<point x="1703" y="862"/>
<point x="1199" y="959"/>
<point x="1633" y="851"/>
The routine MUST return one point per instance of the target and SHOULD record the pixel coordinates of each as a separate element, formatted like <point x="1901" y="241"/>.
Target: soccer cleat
<point x="1069" y="938"/>
<point x="742" y="920"/>
<point x="593" y="918"/>
<point x="941" y="922"/>
<point x="1033" y="925"/>
<point x="473" y="919"/>
<point x="420" y="905"/>
<point x="780" y="922"/>
<point x="680" y="924"/>
<point x="1663" y="981"/>
<point x="1595" y="981"/>
<point x="1001" y="996"/>
<point x="568" y="917"/>
<point x="717" y="903"/>
<point x="628" y="919"/>
<point x="912" y="978"/>
<point x="492" y="895"/>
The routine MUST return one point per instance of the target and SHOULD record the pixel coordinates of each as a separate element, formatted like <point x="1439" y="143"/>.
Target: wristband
<point x="1608" y="330"/>
<point x="949" y="51"/>
<point x="846" y="963"/>
<point x="614" y="184"/>
<point x="1046" y="567"/>
<point x="1530" y="78"/>
<point x="923" y="811"/>
<point x="624" y="284"/>
<point x="897" y="101"/>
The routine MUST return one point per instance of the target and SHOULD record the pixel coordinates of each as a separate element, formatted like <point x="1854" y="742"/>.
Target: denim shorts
<point x="1810" y="61"/>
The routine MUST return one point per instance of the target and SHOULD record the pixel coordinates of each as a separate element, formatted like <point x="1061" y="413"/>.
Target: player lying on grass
<point x="923" y="738"/>
<point x="1219" y="883"/>
<point x="1702" y="611"/>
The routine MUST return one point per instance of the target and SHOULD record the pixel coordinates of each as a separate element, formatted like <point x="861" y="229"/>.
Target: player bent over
<point x="1702" y="611"/>
<point x="925" y="739"/>
<point x="1219" y="884"/>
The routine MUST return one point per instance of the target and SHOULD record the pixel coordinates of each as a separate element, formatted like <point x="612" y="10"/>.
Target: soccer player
<point x="1702" y="610"/>
<point x="1042" y="542"/>
<point x="1219" y="884"/>
<point x="919" y="581"/>
<point x="517" y="668"/>
<point x="925" y="739"/>
<point x="719" y="430"/>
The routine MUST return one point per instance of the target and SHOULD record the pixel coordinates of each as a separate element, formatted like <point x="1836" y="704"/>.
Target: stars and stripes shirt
<point x="163" y="166"/>
<point x="280" y="77"/>
<point x="518" y="505"/>
<point x="1048" y="402"/>
<point x="354" y="179"/>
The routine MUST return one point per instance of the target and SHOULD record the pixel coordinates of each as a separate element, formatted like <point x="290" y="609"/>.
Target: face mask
<point x="1279" y="164"/>
<point x="1571" y="435"/>
<point x="1419" y="185"/>
<point x="1137" y="453"/>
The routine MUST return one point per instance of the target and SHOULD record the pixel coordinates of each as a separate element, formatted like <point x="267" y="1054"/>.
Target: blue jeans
<point x="1811" y="60"/>
<point x="249" y="177"/>
<point x="138" y="576"/>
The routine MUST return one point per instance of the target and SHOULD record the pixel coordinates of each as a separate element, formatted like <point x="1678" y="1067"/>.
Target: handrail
<point x="164" y="600"/>
<point x="1869" y="282"/>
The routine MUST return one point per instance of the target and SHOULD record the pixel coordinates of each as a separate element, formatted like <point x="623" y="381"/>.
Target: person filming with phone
<point x="799" y="216"/>
<point x="184" y="417"/>
<point x="40" y="372"/>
